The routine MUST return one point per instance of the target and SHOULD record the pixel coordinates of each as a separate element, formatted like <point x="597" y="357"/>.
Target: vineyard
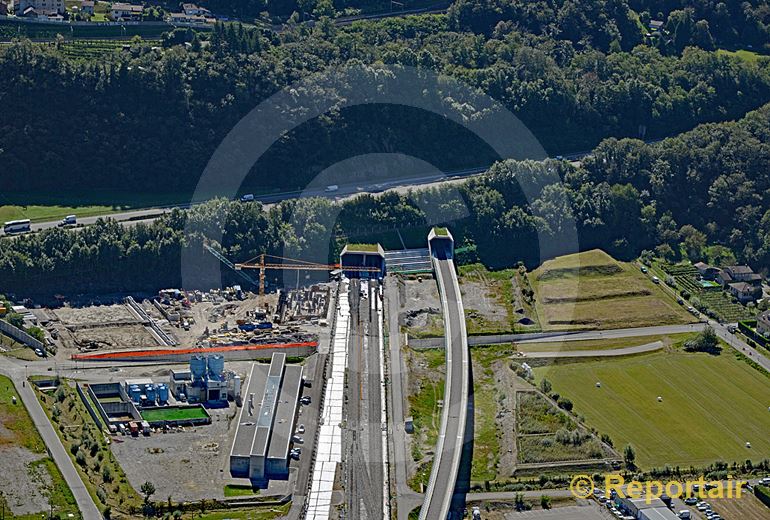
<point x="90" y="49"/>
<point x="714" y="299"/>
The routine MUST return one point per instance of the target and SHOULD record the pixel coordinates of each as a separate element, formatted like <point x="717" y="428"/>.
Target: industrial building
<point x="260" y="449"/>
<point x="645" y="508"/>
<point x="354" y="257"/>
<point x="206" y="381"/>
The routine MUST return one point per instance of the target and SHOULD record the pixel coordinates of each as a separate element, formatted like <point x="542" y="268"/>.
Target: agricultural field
<point x="90" y="49"/>
<point x="591" y="290"/>
<point x="30" y="481"/>
<point x="748" y="507"/>
<point x="711" y="405"/>
<point x="709" y="294"/>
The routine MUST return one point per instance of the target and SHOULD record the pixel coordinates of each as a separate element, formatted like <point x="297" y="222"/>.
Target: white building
<point x="41" y="6"/>
<point x="123" y="11"/>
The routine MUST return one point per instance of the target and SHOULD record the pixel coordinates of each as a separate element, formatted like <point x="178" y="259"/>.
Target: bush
<point x="80" y="457"/>
<point x="705" y="341"/>
<point x="763" y="494"/>
<point x="565" y="404"/>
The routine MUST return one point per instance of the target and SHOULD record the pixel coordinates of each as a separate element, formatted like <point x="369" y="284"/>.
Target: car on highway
<point x="39" y="352"/>
<point x="331" y="188"/>
<point x="249" y="197"/>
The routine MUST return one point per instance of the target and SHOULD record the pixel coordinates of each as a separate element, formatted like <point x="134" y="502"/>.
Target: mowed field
<point x="591" y="290"/>
<point x="712" y="405"/>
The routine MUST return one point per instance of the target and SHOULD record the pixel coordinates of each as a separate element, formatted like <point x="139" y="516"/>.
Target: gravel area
<point x="188" y="465"/>
<point x="23" y="489"/>
<point x="95" y="315"/>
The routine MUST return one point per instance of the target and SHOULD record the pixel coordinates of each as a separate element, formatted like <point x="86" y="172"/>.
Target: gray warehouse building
<point x="266" y="423"/>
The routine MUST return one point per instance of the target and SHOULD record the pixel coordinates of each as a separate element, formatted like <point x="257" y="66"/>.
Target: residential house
<point x="194" y="10"/>
<point x="41" y="7"/>
<point x="124" y="12"/>
<point x="744" y="291"/>
<point x="87" y="7"/>
<point x="706" y="271"/>
<point x="763" y="323"/>
<point x="185" y="18"/>
<point x="738" y="273"/>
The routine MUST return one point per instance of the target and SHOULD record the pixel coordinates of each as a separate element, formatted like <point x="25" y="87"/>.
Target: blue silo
<point x="217" y="365"/>
<point x="162" y="394"/>
<point x="198" y="367"/>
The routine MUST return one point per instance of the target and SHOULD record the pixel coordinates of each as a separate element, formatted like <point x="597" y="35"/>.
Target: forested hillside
<point x="152" y="117"/>
<point x="707" y="186"/>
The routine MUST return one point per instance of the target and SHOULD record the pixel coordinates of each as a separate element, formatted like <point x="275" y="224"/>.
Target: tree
<point x="565" y="404"/>
<point x="545" y="386"/>
<point x="629" y="457"/>
<point x="694" y="241"/>
<point x="147" y="489"/>
<point x="15" y="319"/>
<point x="706" y="341"/>
<point x="545" y="502"/>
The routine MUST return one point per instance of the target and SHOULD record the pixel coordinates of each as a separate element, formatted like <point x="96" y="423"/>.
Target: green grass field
<point x="712" y="405"/>
<point x="591" y="290"/>
<point x="49" y="213"/>
<point x="174" y="414"/>
<point x="746" y="55"/>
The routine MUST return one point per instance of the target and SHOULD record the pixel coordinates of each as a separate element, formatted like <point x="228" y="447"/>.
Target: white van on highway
<point x="69" y="220"/>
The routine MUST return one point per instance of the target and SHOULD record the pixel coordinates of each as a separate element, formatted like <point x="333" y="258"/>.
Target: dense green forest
<point x="706" y="187"/>
<point x="153" y="116"/>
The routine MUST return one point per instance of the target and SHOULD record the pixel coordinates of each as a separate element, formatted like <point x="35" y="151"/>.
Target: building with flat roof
<point x="266" y="423"/>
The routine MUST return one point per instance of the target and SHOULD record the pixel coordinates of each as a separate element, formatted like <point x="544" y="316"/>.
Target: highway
<point x="343" y="191"/>
<point x="449" y="447"/>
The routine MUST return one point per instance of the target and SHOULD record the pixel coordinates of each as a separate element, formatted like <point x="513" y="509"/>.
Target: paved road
<point x="740" y="345"/>
<point x="12" y="369"/>
<point x="639" y="349"/>
<point x="547" y="337"/>
<point x="446" y="464"/>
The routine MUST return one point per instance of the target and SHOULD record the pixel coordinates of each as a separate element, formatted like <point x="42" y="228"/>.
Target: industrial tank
<point x="149" y="391"/>
<point x="135" y="393"/>
<point x="198" y="367"/>
<point x="217" y="365"/>
<point x="162" y="394"/>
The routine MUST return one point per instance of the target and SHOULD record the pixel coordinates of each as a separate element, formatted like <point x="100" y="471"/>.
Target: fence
<point x="20" y="336"/>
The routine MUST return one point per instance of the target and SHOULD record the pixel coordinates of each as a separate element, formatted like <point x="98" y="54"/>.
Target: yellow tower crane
<point x="264" y="262"/>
